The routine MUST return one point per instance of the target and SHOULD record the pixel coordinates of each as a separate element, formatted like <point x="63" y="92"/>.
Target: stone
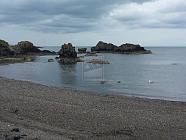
<point x="68" y="54"/>
<point x="47" y="52"/>
<point x="82" y="50"/>
<point x="67" y="51"/>
<point x="124" y="48"/>
<point x="105" y="47"/>
<point x="50" y="60"/>
<point x="91" y="54"/>
<point x="26" y="47"/>
<point x="5" y="49"/>
<point x="15" y="130"/>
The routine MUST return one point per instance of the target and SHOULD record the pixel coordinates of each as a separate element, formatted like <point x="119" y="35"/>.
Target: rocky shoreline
<point x="67" y="54"/>
<point x="23" y="51"/>
<point x="32" y="111"/>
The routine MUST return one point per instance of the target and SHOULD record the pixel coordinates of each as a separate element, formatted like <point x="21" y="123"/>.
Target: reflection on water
<point x="126" y="74"/>
<point x="68" y="74"/>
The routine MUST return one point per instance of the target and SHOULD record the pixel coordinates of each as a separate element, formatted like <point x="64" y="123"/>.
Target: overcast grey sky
<point x="85" y="22"/>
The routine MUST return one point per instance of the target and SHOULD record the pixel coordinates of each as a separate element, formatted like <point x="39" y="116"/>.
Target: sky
<point x="85" y="22"/>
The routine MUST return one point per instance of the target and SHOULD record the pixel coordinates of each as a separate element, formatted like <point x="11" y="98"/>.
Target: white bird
<point x="151" y="82"/>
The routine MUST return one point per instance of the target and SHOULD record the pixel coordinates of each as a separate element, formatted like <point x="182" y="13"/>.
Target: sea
<point x="160" y="75"/>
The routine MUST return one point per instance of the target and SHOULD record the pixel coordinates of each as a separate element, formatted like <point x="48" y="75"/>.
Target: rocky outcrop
<point x="82" y="50"/>
<point x="26" y="47"/>
<point x="22" y="48"/>
<point x="130" y="48"/>
<point x="124" y="48"/>
<point x="68" y="54"/>
<point x="91" y="54"/>
<point x="104" y="47"/>
<point x="5" y="49"/>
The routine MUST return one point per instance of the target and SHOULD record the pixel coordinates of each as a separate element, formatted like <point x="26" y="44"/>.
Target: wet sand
<point x="30" y="111"/>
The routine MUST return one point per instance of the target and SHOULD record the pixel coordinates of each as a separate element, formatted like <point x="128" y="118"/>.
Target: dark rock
<point x="91" y="54"/>
<point x="67" y="51"/>
<point x="105" y="47"/>
<point x="124" y="48"/>
<point x="26" y="47"/>
<point x="15" y="110"/>
<point x="47" y="52"/>
<point x="130" y="48"/>
<point x="50" y="60"/>
<point x="103" y="82"/>
<point x="5" y="49"/>
<point x="3" y="43"/>
<point x="69" y="60"/>
<point x="125" y="132"/>
<point x="17" y="137"/>
<point x="15" y="130"/>
<point x="68" y="54"/>
<point x="22" y="48"/>
<point x="82" y="50"/>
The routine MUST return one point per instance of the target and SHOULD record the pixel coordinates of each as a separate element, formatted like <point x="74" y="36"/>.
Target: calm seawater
<point x="125" y="75"/>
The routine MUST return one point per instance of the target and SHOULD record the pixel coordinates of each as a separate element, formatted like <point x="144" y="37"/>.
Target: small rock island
<point x="124" y="48"/>
<point x="68" y="54"/>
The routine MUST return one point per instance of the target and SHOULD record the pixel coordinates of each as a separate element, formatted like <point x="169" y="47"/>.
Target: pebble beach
<point x="30" y="111"/>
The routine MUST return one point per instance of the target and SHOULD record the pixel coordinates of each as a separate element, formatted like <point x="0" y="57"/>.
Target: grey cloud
<point x="58" y="15"/>
<point x="153" y="14"/>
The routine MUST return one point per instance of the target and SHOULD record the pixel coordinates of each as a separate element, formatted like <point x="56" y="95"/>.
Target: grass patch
<point x="4" y="60"/>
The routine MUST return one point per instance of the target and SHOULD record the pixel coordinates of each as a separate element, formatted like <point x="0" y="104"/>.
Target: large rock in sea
<point x="104" y="47"/>
<point x="5" y="49"/>
<point x="26" y="47"/>
<point x="124" y="48"/>
<point x="131" y="48"/>
<point x="68" y="54"/>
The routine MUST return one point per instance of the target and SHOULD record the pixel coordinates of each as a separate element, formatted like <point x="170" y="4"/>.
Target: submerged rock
<point x="68" y="54"/>
<point x="82" y="50"/>
<point x="91" y="54"/>
<point x="97" y="61"/>
<point x="47" y="52"/>
<point x="50" y="60"/>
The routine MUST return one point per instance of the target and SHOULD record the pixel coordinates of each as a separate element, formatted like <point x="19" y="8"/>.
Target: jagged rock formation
<point x="124" y="48"/>
<point x="102" y="46"/>
<point x="22" y="48"/>
<point x="5" y="49"/>
<point x="26" y="47"/>
<point x="68" y="54"/>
